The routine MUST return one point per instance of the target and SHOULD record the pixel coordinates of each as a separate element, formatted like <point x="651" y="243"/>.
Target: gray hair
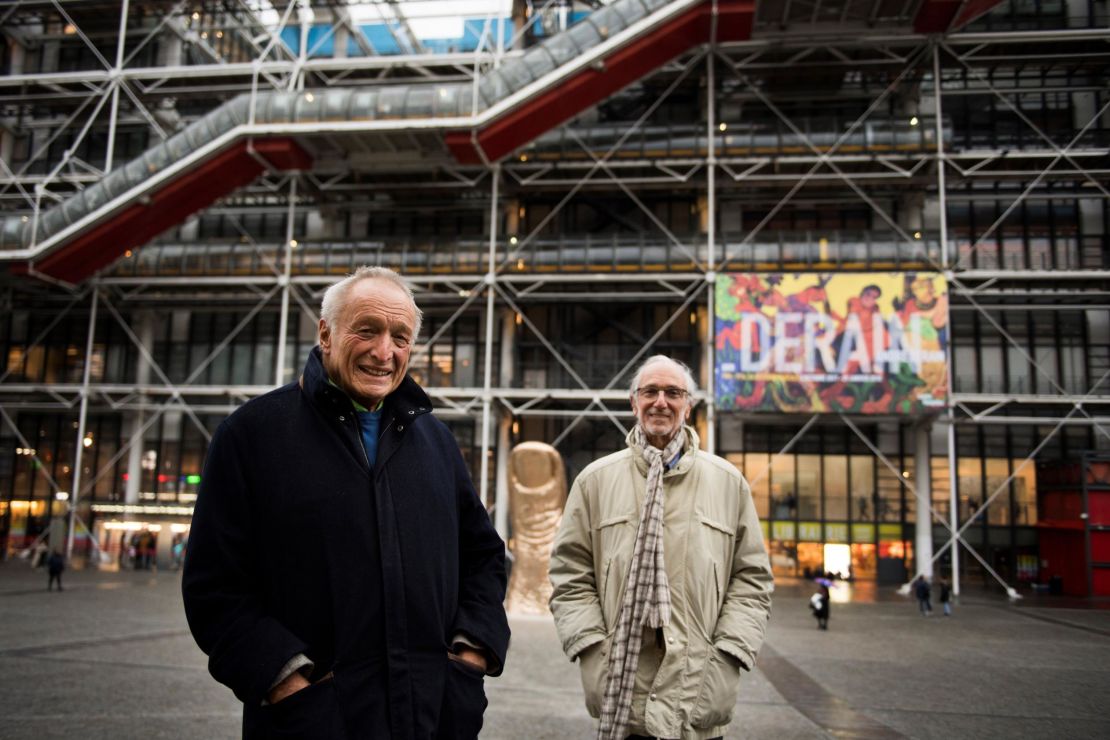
<point x="336" y="296"/>
<point x="691" y="385"/>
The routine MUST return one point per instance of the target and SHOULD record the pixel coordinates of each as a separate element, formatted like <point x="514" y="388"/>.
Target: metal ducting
<point x="405" y="102"/>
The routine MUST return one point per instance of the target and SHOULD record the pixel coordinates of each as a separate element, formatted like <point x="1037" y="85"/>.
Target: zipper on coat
<point x="357" y="429"/>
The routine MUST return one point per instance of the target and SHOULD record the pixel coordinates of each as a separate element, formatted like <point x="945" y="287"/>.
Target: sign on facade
<point x="861" y="343"/>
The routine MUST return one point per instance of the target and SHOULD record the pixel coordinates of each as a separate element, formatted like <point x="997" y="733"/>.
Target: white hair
<point x="691" y="385"/>
<point x="336" y="296"/>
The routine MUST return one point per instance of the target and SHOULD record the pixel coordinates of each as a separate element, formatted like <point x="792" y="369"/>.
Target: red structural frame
<point x="1073" y="508"/>
<point x="134" y="225"/>
<point x="138" y="223"/>
<point x="941" y="16"/>
<point x="592" y="85"/>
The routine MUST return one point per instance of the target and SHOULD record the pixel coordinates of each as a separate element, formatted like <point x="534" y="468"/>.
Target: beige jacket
<point x="720" y="581"/>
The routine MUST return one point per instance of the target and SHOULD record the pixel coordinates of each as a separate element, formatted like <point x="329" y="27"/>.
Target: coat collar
<point x="408" y="401"/>
<point x="685" y="462"/>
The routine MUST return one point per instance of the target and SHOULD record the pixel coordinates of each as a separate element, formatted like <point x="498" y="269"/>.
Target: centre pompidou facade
<point x="876" y="230"/>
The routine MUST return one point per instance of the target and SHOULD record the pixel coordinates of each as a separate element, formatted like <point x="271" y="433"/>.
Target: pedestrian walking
<point x="55" y="564"/>
<point x="819" y="605"/>
<point x="945" y="595"/>
<point x="923" y="592"/>
<point x="39" y="554"/>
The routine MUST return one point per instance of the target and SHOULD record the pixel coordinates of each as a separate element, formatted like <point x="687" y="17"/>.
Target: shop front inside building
<point x="834" y="507"/>
<point x="829" y="393"/>
<point x="861" y="485"/>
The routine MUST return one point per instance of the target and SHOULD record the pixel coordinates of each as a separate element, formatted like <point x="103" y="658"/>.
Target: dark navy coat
<point x="297" y="546"/>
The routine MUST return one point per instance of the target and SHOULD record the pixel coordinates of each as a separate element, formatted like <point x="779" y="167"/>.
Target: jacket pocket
<point x="710" y="576"/>
<point x="717" y="694"/>
<point x="611" y="536"/>
<point x="718" y="526"/>
<point x="464" y="702"/>
<point x="313" y="712"/>
<point x="593" y="664"/>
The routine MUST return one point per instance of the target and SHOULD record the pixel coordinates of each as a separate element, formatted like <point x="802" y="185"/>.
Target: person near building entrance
<point x="923" y="591"/>
<point x="55" y="564"/>
<point x="342" y="573"/>
<point x="945" y="595"/>
<point x="661" y="583"/>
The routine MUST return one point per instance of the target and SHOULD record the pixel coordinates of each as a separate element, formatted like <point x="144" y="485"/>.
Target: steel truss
<point x="736" y="67"/>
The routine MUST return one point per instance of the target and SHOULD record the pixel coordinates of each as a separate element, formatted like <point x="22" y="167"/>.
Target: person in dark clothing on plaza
<point x="922" y="591"/>
<point x="342" y="573"/>
<point x="55" y="564"/>
<point x="945" y="595"/>
<point x="819" y="605"/>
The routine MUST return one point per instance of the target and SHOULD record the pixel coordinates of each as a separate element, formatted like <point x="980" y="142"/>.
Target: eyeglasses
<point x="651" y="392"/>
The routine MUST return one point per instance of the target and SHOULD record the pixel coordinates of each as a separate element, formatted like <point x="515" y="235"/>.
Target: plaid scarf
<point x="647" y="596"/>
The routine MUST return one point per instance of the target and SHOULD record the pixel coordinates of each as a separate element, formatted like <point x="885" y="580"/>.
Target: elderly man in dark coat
<point x="342" y="575"/>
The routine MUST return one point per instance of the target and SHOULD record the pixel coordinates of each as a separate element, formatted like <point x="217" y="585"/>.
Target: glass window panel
<point x="940" y="486"/>
<point x="753" y="466"/>
<point x="1013" y="253"/>
<point x="1040" y="253"/>
<point x="219" y="368"/>
<point x="1018" y="368"/>
<point x="784" y="557"/>
<point x="864" y="497"/>
<point x="998" y="470"/>
<point x="811" y="558"/>
<point x="168" y="472"/>
<point x="965" y="360"/>
<point x="889" y="507"/>
<point x="784" y="497"/>
<point x="1067" y="253"/>
<point x="808" y="489"/>
<point x="198" y="352"/>
<point x="1025" y="493"/>
<point x="264" y="363"/>
<point x="465" y="365"/>
<point x="836" y="487"/>
<point x="241" y="364"/>
<point x="991" y="359"/>
<point x="864" y="566"/>
<point x="1075" y="375"/>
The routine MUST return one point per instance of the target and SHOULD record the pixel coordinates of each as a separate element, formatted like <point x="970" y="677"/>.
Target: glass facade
<point x="817" y="168"/>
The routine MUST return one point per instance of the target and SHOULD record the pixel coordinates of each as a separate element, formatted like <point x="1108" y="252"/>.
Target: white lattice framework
<point x="94" y="94"/>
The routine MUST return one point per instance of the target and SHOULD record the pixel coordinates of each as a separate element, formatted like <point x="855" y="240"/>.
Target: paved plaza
<point x="111" y="657"/>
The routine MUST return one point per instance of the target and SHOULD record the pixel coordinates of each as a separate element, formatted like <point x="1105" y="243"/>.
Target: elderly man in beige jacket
<point x="662" y="587"/>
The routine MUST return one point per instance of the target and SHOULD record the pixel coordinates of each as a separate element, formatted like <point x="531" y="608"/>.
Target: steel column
<point x="504" y="427"/>
<point x="82" y="420"/>
<point x="116" y="81"/>
<point x="711" y="257"/>
<point x="487" y="375"/>
<point x="942" y="205"/>
<point x="286" y="285"/>
<point x="923" y="520"/>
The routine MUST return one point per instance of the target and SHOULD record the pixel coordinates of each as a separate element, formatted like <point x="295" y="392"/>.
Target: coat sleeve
<point x="481" y="613"/>
<point x="222" y="582"/>
<point x="747" y="603"/>
<point x="575" y="601"/>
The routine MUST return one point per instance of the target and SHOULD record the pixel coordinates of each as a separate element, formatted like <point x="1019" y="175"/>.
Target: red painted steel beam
<point x="942" y="16"/>
<point x="590" y="86"/>
<point x="198" y="188"/>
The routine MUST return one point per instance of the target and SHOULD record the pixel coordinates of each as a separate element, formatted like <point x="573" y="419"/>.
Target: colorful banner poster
<point x="861" y="343"/>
